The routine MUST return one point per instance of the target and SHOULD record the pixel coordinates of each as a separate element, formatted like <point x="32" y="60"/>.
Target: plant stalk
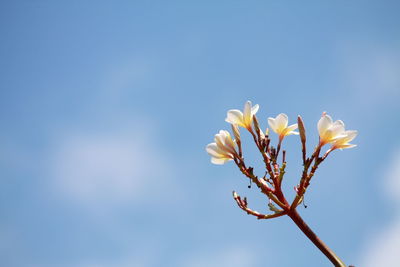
<point x="295" y="216"/>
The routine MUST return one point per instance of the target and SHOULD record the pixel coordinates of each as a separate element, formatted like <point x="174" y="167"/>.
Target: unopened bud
<point x="302" y="130"/>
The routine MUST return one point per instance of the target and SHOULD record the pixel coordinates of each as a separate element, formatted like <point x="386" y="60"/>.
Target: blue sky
<point x="106" y="108"/>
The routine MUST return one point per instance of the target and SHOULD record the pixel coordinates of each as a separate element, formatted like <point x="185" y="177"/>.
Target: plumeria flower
<point x="330" y="131"/>
<point x="343" y="142"/>
<point x="244" y="119"/>
<point x="223" y="149"/>
<point x="280" y="126"/>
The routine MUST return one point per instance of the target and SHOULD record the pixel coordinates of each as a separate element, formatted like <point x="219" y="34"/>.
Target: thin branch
<point x="261" y="148"/>
<point x="242" y="203"/>
<point x="259" y="182"/>
<point x="305" y="177"/>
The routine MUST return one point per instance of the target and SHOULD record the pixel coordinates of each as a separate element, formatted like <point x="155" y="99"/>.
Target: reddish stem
<point x="295" y="216"/>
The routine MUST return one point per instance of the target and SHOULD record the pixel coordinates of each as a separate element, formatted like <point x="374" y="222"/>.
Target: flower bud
<point x="302" y="130"/>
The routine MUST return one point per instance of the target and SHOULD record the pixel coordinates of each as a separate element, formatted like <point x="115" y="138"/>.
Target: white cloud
<point x="382" y="248"/>
<point x="372" y="70"/>
<point x="393" y="177"/>
<point x="114" y="167"/>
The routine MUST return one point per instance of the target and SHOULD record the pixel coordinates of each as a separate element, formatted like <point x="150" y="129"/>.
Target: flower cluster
<point x="225" y="148"/>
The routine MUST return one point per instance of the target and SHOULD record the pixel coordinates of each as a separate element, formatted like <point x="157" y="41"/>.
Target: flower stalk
<point x="335" y="260"/>
<point x="225" y="149"/>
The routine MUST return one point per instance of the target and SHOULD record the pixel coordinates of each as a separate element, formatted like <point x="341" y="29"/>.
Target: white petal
<point x="288" y="130"/>
<point x="324" y="124"/>
<point x="213" y="150"/>
<point x="220" y="141"/>
<point x="229" y="142"/>
<point x="351" y="135"/>
<point x="337" y="128"/>
<point x="224" y="142"/>
<point x="247" y="112"/>
<point x="219" y="161"/>
<point x="348" y="146"/>
<point x="271" y="123"/>
<point x="292" y="127"/>
<point x="281" y="121"/>
<point x="343" y="146"/>
<point x="234" y="116"/>
<point x="338" y="122"/>
<point x="254" y="109"/>
<point x="223" y="134"/>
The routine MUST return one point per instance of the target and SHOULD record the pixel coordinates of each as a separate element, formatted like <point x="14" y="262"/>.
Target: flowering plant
<point x="225" y="148"/>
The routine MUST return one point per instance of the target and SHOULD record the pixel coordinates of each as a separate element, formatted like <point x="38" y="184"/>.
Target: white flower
<point x="223" y="149"/>
<point x="343" y="142"/>
<point x="280" y="125"/>
<point x="330" y="131"/>
<point x="244" y="119"/>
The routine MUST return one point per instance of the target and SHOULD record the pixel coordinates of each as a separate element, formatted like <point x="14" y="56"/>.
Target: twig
<point x="242" y="203"/>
